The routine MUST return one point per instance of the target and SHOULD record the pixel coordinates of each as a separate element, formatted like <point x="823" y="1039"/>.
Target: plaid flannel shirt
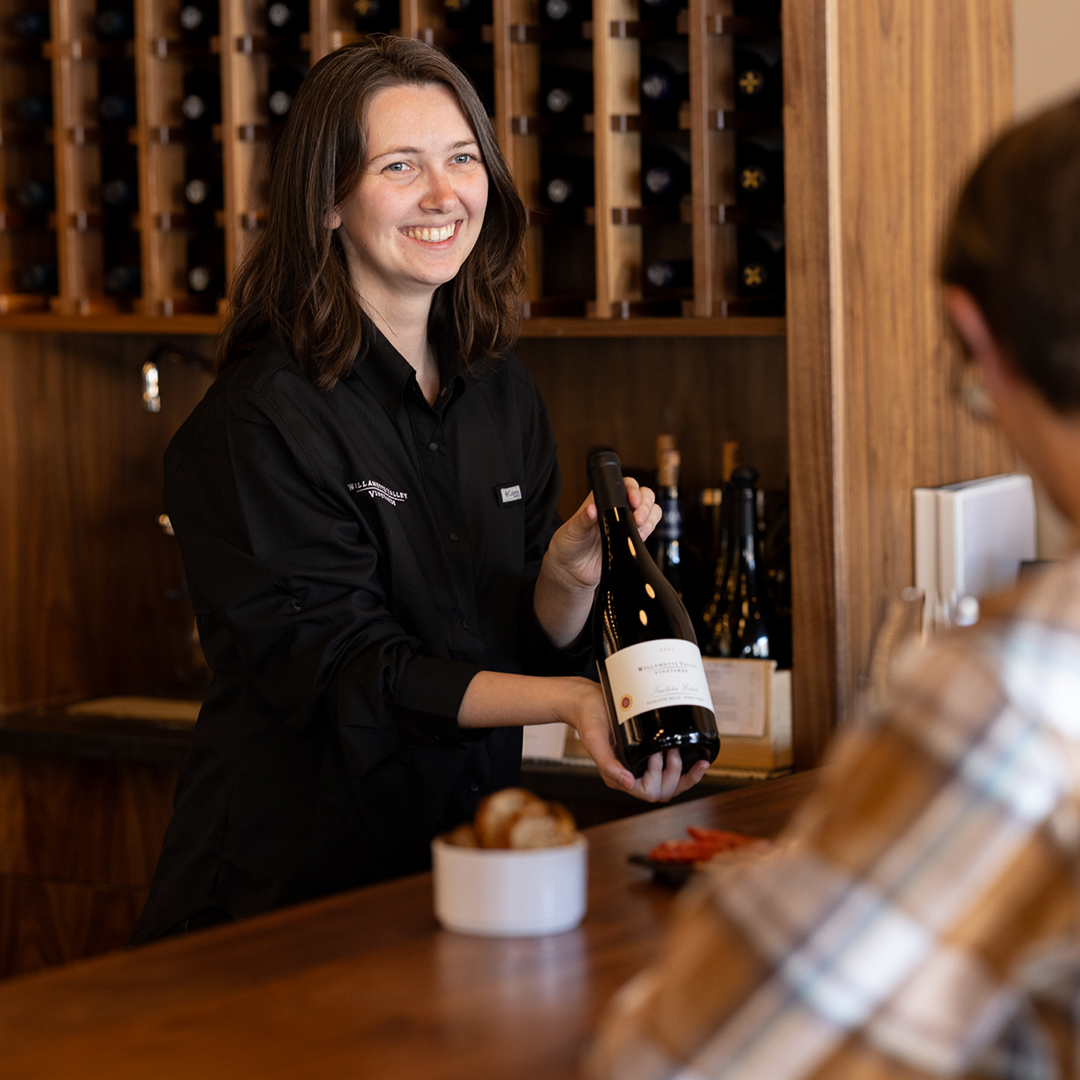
<point x="919" y="916"/>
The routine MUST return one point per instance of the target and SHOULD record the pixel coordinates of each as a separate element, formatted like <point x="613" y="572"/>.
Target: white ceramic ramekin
<point x="506" y="893"/>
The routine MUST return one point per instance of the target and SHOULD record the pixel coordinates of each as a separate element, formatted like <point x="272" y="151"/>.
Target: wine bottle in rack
<point x="116" y="109"/>
<point x="206" y="266"/>
<point x="115" y="20"/>
<point x="565" y="16"/>
<point x="758" y="85"/>
<point x="199" y="20"/>
<point x="759" y="169"/>
<point x="287" y="18"/>
<point x="757" y="9"/>
<point x="568" y="181"/>
<point x="670" y="273"/>
<point x="649" y="663"/>
<point x="38" y="278"/>
<point x="203" y="189"/>
<point x="468" y="15"/>
<point x="669" y="531"/>
<point x="661" y="14"/>
<point x="284" y="83"/>
<point x="31" y="25"/>
<point x="665" y="174"/>
<point x="744" y="627"/>
<point x="376" y="16"/>
<point x="123" y="279"/>
<point x="120" y="194"/>
<point x="35" y="110"/>
<point x="761" y="261"/>
<point x="663" y="87"/>
<point x="35" y="195"/>
<point x="201" y="103"/>
<point x="566" y="92"/>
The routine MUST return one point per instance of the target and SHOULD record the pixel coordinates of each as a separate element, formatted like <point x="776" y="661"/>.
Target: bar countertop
<point x="365" y="984"/>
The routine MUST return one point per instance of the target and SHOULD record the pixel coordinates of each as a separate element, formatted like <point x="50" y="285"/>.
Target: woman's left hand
<point x="575" y="549"/>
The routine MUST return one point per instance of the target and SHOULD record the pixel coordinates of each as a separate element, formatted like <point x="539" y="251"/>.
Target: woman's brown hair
<point x="295" y="281"/>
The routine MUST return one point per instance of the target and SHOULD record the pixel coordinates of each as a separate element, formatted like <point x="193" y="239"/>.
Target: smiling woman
<point x="365" y="502"/>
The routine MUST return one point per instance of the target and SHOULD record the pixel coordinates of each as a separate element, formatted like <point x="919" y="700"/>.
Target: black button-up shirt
<point x="354" y="558"/>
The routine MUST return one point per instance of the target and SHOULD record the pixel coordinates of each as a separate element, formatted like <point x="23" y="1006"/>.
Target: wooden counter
<point x="365" y="984"/>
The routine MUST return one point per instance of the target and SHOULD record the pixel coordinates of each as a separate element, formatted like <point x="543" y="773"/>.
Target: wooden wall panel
<point x="88" y="821"/>
<point x="624" y="392"/>
<point x="84" y="566"/>
<point x="921" y="87"/>
<point x="46" y="923"/>
<point x="810" y="378"/>
<point x="79" y="840"/>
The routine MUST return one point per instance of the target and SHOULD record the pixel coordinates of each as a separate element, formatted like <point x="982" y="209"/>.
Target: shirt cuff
<point x="540" y="655"/>
<point x="430" y="694"/>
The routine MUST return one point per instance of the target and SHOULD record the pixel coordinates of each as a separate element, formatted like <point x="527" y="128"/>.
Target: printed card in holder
<point x="752" y="702"/>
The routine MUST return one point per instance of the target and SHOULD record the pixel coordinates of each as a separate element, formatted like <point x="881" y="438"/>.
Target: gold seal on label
<point x="626" y="702"/>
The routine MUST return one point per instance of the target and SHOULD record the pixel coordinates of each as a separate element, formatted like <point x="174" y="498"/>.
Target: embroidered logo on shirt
<point x="378" y="491"/>
<point x="509" y="494"/>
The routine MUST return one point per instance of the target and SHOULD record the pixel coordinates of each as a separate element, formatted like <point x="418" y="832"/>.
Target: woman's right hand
<point x="662" y="780"/>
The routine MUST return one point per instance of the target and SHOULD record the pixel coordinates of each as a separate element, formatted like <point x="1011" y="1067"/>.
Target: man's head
<point x="1014" y="246"/>
<point x="1011" y="268"/>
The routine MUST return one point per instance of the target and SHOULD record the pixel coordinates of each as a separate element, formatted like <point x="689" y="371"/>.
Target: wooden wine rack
<point x="585" y="272"/>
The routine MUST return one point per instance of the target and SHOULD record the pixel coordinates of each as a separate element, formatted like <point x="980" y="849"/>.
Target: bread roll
<point x="498" y="811"/>
<point x="553" y="828"/>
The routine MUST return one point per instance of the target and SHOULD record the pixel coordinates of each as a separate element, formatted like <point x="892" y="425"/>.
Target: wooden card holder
<point x="752" y="701"/>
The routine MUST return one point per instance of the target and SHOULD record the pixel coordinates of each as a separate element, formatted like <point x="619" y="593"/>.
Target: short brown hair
<point x="1014" y="244"/>
<point x="295" y="278"/>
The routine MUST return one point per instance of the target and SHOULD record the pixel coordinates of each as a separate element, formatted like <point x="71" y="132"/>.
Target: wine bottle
<point x="663" y="88"/>
<point x="757" y="77"/>
<point x="35" y="109"/>
<point x="116" y="109"/>
<point x="759" y="169"/>
<point x="38" y="278"/>
<point x="372" y="16"/>
<point x="35" y="195"/>
<point x="115" y="21"/>
<point x="204" y="279"/>
<point x="568" y="181"/>
<point x="647" y="655"/>
<point x="119" y="193"/>
<point x="199" y="19"/>
<point x="123" y="280"/>
<point x="669" y="532"/>
<point x="201" y="104"/>
<point x="31" y="25"/>
<point x="287" y="18"/>
<point x="467" y="14"/>
<point x="665" y="175"/>
<point x="662" y="15"/>
<point x="761" y="262"/>
<point x="284" y="83"/>
<point x="564" y="15"/>
<point x="744" y="628"/>
<point x="670" y="273"/>
<point x="566" y="92"/>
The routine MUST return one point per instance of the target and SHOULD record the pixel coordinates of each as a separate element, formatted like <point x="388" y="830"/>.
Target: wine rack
<point x="645" y="137"/>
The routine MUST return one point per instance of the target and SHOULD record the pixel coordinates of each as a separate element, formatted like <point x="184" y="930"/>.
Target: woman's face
<point x="417" y="211"/>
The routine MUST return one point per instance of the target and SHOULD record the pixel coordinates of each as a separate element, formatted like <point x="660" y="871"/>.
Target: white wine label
<point x="656" y="674"/>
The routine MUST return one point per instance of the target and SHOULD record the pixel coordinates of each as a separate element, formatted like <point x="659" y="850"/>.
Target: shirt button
<point x="473" y="785"/>
<point x="295" y="605"/>
<point x="433" y="446"/>
<point x="465" y="623"/>
<point x="454" y="537"/>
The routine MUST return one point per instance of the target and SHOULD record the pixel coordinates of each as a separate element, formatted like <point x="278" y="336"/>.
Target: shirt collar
<point x="387" y="375"/>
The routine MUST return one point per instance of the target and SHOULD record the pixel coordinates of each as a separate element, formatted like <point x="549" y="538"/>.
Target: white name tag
<point x="510" y="494"/>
